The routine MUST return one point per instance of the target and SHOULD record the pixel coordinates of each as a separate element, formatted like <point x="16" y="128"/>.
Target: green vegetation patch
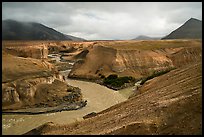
<point x="117" y="82"/>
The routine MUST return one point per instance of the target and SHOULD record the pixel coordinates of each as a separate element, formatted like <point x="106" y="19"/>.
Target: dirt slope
<point x="169" y="104"/>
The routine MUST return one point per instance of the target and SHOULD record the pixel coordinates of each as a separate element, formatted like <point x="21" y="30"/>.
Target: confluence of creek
<point x="98" y="98"/>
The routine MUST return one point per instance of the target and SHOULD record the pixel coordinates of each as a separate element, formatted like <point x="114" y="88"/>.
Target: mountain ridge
<point x="17" y="30"/>
<point x="191" y="29"/>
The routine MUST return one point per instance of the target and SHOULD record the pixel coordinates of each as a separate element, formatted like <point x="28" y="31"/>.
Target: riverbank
<point x="36" y="111"/>
<point x="98" y="98"/>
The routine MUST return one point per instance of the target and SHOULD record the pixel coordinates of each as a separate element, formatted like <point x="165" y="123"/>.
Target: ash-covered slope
<point x="15" y="30"/>
<point x="191" y="29"/>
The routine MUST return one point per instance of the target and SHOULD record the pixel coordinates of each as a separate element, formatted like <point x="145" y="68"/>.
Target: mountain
<point x="191" y="29"/>
<point x="74" y="38"/>
<point x="15" y="30"/>
<point x="143" y="37"/>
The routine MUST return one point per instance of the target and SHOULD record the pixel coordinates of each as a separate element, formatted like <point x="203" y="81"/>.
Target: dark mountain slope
<point x="15" y="30"/>
<point x="191" y="29"/>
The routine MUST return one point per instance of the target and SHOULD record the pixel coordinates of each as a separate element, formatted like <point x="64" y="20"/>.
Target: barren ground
<point x="169" y="104"/>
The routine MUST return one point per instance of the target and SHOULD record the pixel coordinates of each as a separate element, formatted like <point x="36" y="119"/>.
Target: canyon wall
<point x="98" y="60"/>
<point x="140" y="63"/>
<point x="137" y="59"/>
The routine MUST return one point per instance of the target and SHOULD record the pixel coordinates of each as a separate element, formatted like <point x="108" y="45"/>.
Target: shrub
<point x="102" y="76"/>
<point x="115" y="81"/>
<point x="112" y="76"/>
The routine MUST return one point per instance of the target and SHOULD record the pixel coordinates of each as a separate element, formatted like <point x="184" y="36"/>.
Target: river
<point x="98" y="98"/>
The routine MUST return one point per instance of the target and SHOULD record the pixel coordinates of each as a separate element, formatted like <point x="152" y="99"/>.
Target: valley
<point x="96" y="96"/>
<point x="102" y="68"/>
<point x="67" y="79"/>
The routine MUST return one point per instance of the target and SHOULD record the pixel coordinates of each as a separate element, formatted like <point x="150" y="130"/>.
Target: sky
<point x="105" y="20"/>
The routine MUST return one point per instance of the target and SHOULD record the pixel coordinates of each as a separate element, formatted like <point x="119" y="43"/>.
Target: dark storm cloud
<point x="101" y="20"/>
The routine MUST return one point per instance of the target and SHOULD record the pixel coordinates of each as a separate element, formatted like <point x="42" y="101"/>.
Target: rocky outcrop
<point x="40" y="92"/>
<point x="38" y="52"/>
<point x="9" y="95"/>
<point x="22" y="91"/>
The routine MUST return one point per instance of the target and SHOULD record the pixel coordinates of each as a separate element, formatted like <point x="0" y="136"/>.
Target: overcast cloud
<point x="105" y="20"/>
